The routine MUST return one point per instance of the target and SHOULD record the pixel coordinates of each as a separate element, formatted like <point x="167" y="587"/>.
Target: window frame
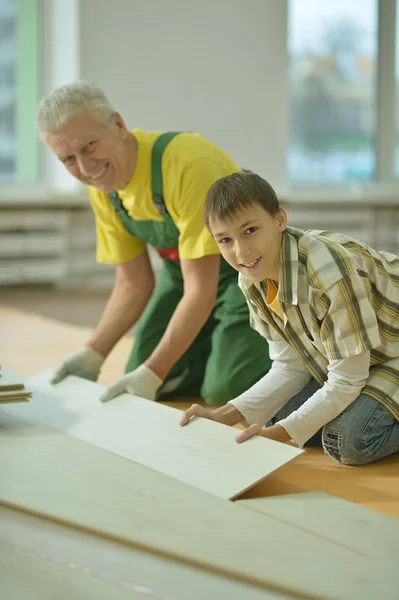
<point x="31" y="66"/>
<point x="385" y="115"/>
<point x="386" y="92"/>
<point x="28" y="86"/>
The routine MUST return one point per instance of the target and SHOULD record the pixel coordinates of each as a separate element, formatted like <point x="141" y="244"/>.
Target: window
<point x="333" y="63"/>
<point x="7" y="87"/>
<point x="397" y="94"/>
<point x="19" y="89"/>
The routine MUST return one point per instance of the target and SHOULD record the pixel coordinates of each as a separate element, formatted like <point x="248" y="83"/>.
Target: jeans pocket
<point x="332" y="444"/>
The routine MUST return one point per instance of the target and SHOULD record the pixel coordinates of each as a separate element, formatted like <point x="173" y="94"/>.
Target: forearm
<point x="266" y="397"/>
<point x="188" y="319"/>
<point x="286" y="378"/>
<point x="346" y="379"/>
<point x="122" y="310"/>
<point x="228" y="415"/>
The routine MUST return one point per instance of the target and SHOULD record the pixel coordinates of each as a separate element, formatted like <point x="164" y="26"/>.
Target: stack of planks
<point x="14" y="392"/>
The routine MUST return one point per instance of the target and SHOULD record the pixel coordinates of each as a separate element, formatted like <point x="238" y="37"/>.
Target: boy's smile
<point x="250" y="241"/>
<point x="250" y="267"/>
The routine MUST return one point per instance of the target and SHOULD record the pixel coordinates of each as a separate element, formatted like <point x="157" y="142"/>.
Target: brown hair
<point x="235" y="193"/>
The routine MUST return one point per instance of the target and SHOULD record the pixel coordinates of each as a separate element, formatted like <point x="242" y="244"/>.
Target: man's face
<point x="95" y="154"/>
<point x="251" y="240"/>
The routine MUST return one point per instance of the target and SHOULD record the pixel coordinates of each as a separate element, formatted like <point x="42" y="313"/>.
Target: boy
<point x="329" y="307"/>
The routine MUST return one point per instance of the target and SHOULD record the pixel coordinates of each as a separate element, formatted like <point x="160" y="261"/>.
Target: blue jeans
<point x="362" y="433"/>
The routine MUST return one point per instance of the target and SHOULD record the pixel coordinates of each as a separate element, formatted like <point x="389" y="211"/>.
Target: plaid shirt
<point x="339" y="298"/>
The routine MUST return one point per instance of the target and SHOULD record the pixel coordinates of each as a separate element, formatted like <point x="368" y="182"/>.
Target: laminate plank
<point x="332" y="518"/>
<point x="203" y="453"/>
<point x="106" y="560"/>
<point x="45" y="472"/>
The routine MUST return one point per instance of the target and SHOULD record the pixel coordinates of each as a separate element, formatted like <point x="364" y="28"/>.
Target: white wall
<point x="213" y="66"/>
<point x="61" y="64"/>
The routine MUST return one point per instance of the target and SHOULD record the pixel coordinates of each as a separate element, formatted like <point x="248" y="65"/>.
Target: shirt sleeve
<point x="345" y="381"/>
<point x="350" y="325"/>
<point x="115" y="245"/>
<point x="188" y="202"/>
<point x="287" y="377"/>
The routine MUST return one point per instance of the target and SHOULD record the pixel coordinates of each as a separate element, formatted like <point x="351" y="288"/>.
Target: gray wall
<point x="217" y="67"/>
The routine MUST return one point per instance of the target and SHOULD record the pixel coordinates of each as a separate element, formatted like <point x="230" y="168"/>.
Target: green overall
<point x="227" y="356"/>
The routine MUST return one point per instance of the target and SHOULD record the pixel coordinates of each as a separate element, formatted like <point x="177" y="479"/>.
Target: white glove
<point x="141" y="382"/>
<point x="85" y="363"/>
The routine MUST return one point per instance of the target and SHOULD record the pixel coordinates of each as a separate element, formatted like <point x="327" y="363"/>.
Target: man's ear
<point x="120" y="125"/>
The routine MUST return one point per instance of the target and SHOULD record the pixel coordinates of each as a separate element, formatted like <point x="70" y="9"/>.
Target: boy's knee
<point x="343" y="445"/>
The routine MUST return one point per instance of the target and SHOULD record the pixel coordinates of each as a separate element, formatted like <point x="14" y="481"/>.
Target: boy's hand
<point x="197" y="411"/>
<point x="275" y="432"/>
<point x="249" y="432"/>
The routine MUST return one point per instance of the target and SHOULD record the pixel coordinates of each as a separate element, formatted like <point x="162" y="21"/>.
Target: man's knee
<point x="221" y="386"/>
<point x="218" y="393"/>
<point x="216" y="396"/>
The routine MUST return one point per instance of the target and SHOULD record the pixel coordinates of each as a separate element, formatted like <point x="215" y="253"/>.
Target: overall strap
<point x="156" y="170"/>
<point x="156" y="175"/>
<point x="116" y="201"/>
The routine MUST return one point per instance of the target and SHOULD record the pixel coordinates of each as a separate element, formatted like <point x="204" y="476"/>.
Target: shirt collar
<point x="289" y="265"/>
<point x="288" y="272"/>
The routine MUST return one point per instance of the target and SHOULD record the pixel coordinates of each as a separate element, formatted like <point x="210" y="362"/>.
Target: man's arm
<point x="201" y="278"/>
<point x="133" y="287"/>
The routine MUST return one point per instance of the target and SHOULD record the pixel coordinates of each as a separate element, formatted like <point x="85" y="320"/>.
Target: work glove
<point x="85" y="363"/>
<point x="141" y="382"/>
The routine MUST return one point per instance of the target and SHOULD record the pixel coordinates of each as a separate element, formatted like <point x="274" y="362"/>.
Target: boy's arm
<point x="286" y="378"/>
<point x="228" y="414"/>
<point x="346" y="379"/>
<point x="261" y="402"/>
<point x="349" y="331"/>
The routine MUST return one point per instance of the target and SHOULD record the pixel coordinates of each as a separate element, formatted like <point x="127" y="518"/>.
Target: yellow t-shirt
<point x="272" y="301"/>
<point x="190" y="165"/>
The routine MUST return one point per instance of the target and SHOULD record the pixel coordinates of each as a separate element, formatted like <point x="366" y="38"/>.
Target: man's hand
<point x="275" y="432"/>
<point x="85" y="363"/>
<point x="141" y="382"/>
<point x="197" y="411"/>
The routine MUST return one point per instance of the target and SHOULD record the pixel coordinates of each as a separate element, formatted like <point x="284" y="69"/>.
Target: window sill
<point x="20" y="196"/>
<point x="384" y="194"/>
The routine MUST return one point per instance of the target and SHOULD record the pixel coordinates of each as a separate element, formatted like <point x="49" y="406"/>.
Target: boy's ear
<point x="282" y="219"/>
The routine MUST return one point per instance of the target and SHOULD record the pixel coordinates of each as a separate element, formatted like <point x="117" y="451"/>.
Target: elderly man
<point x="193" y="335"/>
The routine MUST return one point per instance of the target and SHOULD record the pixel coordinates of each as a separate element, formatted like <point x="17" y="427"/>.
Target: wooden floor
<point x="30" y="343"/>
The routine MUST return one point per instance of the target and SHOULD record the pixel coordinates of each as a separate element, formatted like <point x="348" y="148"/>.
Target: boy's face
<point x="250" y="241"/>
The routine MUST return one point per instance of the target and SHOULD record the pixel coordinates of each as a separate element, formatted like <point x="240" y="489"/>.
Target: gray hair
<point x="55" y="109"/>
